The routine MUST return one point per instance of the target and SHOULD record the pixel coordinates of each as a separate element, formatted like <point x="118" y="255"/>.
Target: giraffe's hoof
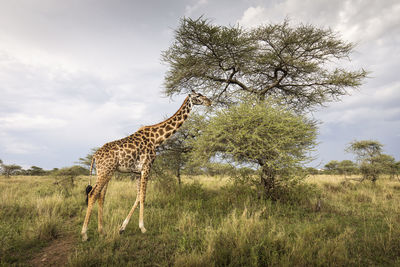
<point x="121" y="231"/>
<point x="143" y="230"/>
<point x="84" y="237"/>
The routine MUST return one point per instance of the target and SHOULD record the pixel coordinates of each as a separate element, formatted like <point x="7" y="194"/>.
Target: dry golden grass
<point x="207" y="221"/>
<point x="332" y="179"/>
<point x="210" y="182"/>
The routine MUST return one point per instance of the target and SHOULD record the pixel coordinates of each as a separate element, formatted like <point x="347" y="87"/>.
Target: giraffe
<point x="134" y="154"/>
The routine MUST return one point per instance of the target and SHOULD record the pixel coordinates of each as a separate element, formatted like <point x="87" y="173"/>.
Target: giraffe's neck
<point x="168" y="127"/>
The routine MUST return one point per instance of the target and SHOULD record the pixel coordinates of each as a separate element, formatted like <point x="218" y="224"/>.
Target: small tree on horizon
<point x="387" y="164"/>
<point x="8" y="170"/>
<point x="368" y="153"/>
<point x="35" y="170"/>
<point x="332" y="166"/>
<point x="397" y="169"/>
<point x="346" y="167"/>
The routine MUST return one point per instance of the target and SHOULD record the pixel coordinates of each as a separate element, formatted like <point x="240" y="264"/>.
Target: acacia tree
<point x="35" y="170"/>
<point x="271" y="138"/>
<point x="387" y="164"/>
<point x="397" y="169"/>
<point x="8" y="170"/>
<point x="332" y="166"/>
<point x="346" y="167"/>
<point x="368" y="153"/>
<point x="293" y="63"/>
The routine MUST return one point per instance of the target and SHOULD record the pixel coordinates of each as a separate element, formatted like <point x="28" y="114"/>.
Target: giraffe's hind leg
<point x="93" y="196"/>
<point x="100" y="210"/>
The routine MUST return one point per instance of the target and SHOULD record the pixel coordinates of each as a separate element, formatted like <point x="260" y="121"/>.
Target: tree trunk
<point x="268" y="180"/>
<point x="178" y="175"/>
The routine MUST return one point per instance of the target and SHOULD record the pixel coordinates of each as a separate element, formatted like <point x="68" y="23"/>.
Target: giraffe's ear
<point x="193" y="92"/>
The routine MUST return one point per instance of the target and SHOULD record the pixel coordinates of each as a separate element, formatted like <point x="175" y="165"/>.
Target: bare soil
<point x="57" y="252"/>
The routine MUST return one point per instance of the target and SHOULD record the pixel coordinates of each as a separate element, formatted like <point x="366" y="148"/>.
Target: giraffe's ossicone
<point x="134" y="154"/>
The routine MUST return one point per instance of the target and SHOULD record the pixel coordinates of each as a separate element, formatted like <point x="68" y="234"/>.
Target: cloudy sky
<point x="76" y="74"/>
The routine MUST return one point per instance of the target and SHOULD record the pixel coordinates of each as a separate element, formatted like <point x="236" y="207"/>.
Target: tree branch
<point x="276" y="82"/>
<point x="232" y="81"/>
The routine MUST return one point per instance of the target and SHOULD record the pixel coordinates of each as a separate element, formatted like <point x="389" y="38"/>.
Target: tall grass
<point x="32" y="213"/>
<point x="208" y="222"/>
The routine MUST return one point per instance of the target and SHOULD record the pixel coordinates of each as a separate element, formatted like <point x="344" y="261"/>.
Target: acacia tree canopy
<point x="293" y="63"/>
<point x="368" y="153"/>
<point x="332" y="166"/>
<point x="8" y="170"/>
<point x="365" y="149"/>
<point x="272" y="138"/>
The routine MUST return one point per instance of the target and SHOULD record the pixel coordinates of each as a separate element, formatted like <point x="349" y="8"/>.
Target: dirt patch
<point x="56" y="253"/>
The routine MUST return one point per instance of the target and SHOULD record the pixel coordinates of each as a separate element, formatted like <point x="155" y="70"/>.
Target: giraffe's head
<point x="199" y="99"/>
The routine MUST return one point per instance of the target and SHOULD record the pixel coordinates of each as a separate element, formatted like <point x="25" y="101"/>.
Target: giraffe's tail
<point x="91" y="168"/>
<point x="89" y="187"/>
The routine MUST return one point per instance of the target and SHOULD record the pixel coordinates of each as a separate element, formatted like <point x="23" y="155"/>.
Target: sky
<point x="77" y="74"/>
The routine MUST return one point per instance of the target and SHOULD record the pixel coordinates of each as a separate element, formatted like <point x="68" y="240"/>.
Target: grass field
<point x="204" y="222"/>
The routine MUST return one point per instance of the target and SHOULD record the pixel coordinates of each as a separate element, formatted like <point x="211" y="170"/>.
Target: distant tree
<point x="368" y="153"/>
<point x="397" y="168"/>
<point x="332" y="167"/>
<point x="346" y="167"/>
<point x="387" y="164"/>
<point x="86" y="161"/>
<point x="271" y="138"/>
<point x="312" y="171"/>
<point x="365" y="149"/>
<point x="219" y="169"/>
<point x="34" y="170"/>
<point x="8" y="170"/>
<point x="71" y="171"/>
<point x="65" y="178"/>
<point x="53" y="170"/>
<point x="293" y="63"/>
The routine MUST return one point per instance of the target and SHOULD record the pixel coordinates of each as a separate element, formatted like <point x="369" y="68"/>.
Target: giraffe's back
<point x="124" y="155"/>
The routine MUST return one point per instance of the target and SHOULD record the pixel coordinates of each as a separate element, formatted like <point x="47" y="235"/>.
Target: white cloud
<point x="104" y="39"/>
<point x="355" y="20"/>
<point x="49" y="111"/>
<point x="318" y="12"/>
<point x="21" y="147"/>
<point x="254" y="16"/>
<point x="368" y="20"/>
<point x="190" y="9"/>
<point x="28" y="122"/>
<point x="13" y="145"/>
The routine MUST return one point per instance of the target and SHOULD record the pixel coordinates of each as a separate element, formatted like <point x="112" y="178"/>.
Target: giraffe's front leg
<point x="125" y="223"/>
<point x="143" y="185"/>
